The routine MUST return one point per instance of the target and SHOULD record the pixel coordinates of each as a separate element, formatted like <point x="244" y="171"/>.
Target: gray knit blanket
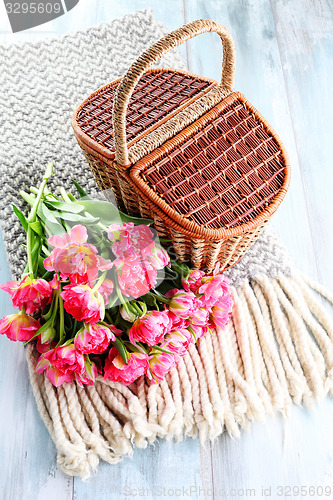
<point x="278" y="348"/>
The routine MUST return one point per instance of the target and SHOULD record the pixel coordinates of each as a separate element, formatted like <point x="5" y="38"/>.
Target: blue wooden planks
<point x="304" y="35"/>
<point x="283" y="53"/>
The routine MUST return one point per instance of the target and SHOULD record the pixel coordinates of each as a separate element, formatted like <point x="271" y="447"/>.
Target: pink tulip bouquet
<point x="100" y="296"/>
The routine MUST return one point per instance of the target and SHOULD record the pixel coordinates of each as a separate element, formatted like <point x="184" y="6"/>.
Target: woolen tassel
<point x="276" y="350"/>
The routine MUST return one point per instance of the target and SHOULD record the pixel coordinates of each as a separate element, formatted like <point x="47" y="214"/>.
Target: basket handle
<point x="150" y="56"/>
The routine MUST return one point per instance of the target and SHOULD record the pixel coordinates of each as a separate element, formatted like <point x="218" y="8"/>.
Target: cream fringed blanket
<point x="264" y="361"/>
<point x="278" y="348"/>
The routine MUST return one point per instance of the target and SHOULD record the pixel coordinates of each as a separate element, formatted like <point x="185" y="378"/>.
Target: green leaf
<point x="180" y="268"/>
<point x="37" y="227"/>
<point x="157" y="348"/>
<point x="101" y="209"/>
<point x="41" y="268"/>
<point x="81" y="191"/>
<point x="165" y="286"/>
<point x="48" y="214"/>
<point x="76" y="218"/>
<point x="68" y="342"/>
<point x="36" y="248"/>
<point x="135" y="220"/>
<point x="122" y="350"/>
<point x="109" y="213"/>
<point x="67" y="207"/>
<point x="51" y="223"/>
<point x="21" y="217"/>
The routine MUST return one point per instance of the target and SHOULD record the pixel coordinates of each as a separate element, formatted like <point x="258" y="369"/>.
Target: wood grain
<point x="284" y="49"/>
<point x="304" y="36"/>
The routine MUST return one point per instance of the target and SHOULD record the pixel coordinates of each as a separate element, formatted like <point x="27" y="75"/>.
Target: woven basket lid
<point x="158" y="95"/>
<point x="221" y="176"/>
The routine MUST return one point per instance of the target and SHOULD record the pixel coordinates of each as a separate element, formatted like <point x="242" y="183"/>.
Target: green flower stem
<point x="75" y="326"/>
<point x="120" y="295"/>
<point x="159" y="297"/>
<point x="62" y="318"/>
<point x="157" y="348"/>
<point x="46" y="191"/>
<point x="101" y="226"/>
<point x="54" y="305"/>
<point x="113" y="302"/>
<point x="34" y="190"/>
<point x="29" y="198"/>
<point x="47" y="175"/>
<point x="124" y="302"/>
<point x="47" y="275"/>
<point x="108" y="317"/>
<point x="64" y="194"/>
<point x="29" y="251"/>
<point x="192" y="332"/>
<point x="32" y="215"/>
<point x="98" y="224"/>
<point x="45" y="250"/>
<point x="100" y="281"/>
<point x="127" y="308"/>
<point x="138" y="346"/>
<point x="50" y="321"/>
<point x="137" y="308"/>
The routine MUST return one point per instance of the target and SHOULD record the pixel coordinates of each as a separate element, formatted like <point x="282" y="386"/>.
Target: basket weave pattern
<point x="214" y="184"/>
<point x="160" y="93"/>
<point x="221" y="173"/>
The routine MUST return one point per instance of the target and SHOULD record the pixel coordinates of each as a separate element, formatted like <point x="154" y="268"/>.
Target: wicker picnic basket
<point x="187" y="152"/>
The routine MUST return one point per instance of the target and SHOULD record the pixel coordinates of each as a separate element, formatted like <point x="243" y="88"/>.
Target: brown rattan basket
<point x="202" y="163"/>
<point x="158" y="95"/>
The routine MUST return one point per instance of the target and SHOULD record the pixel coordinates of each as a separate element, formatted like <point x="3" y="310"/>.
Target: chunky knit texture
<point x="278" y="348"/>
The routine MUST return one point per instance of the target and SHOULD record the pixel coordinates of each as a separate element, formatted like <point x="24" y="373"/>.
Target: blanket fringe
<point x="276" y="351"/>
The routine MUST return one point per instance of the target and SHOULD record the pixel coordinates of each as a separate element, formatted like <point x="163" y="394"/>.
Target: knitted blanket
<point x="278" y="348"/>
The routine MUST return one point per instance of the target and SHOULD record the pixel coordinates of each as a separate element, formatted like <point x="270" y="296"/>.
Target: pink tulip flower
<point x="135" y="276"/>
<point x="19" y="327"/>
<point x="198" y="331"/>
<point x="119" y="371"/>
<point x="94" y="338"/>
<point x="200" y="317"/>
<point x="221" y="311"/>
<point x="130" y="240"/>
<point x="29" y="293"/>
<point x="212" y="289"/>
<point x="178" y="341"/>
<point x="183" y="304"/>
<point x="83" y="304"/>
<point x="44" y="346"/>
<point x="160" y="364"/>
<point x="177" y="321"/>
<point x="61" y="364"/>
<point x="151" y="328"/>
<point x="106" y="290"/>
<point x="157" y="256"/>
<point x="193" y="281"/>
<point x="74" y="258"/>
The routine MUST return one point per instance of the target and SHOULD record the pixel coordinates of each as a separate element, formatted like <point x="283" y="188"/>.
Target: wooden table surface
<point x="284" y="67"/>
